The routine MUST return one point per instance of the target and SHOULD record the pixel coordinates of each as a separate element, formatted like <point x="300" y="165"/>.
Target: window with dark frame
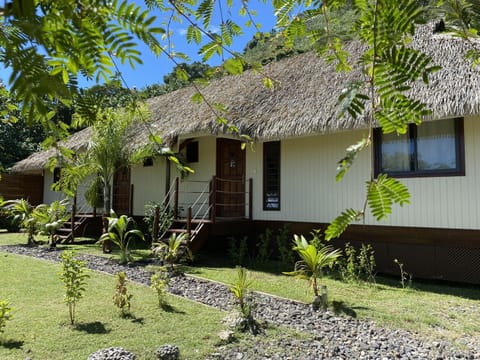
<point x="435" y="148"/>
<point x="192" y="152"/>
<point x="56" y="174"/>
<point x="271" y="175"/>
<point x="147" y="162"/>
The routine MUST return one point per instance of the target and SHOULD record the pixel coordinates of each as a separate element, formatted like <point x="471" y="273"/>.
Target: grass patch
<point x="40" y="326"/>
<point x="434" y="310"/>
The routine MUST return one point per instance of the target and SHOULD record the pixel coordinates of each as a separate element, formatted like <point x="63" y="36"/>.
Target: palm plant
<point x="22" y="212"/>
<point x="172" y="250"/>
<point x="119" y="234"/>
<point x="312" y="262"/>
<point x="50" y="218"/>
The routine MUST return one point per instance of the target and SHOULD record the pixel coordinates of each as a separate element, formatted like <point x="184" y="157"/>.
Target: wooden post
<point x="250" y="199"/>
<point x="213" y="194"/>
<point x="156" y="220"/>
<point x="175" y="206"/>
<point x="131" y="201"/>
<point x="72" y="218"/>
<point x="189" y="222"/>
<point x="94" y="211"/>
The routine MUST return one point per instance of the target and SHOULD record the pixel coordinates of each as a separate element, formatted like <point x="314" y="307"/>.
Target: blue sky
<point x="153" y="68"/>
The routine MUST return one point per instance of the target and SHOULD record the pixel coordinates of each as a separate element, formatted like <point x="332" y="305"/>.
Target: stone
<point x="168" y="352"/>
<point x="112" y="353"/>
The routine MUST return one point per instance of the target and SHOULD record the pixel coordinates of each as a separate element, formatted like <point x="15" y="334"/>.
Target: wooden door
<point x="230" y="179"/>
<point x="121" y="191"/>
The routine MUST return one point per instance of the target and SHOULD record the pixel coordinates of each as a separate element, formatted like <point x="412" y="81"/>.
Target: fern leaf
<point x="341" y="222"/>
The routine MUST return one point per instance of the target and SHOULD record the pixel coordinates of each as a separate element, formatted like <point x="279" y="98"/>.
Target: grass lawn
<point x="432" y="309"/>
<point x="436" y="310"/>
<point x="40" y="326"/>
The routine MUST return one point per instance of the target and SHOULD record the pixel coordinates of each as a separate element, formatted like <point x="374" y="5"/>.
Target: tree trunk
<point x="106" y="245"/>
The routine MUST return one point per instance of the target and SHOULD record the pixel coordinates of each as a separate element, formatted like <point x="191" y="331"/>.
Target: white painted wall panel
<point x="309" y="191"/>
<point x="148" y="184"/>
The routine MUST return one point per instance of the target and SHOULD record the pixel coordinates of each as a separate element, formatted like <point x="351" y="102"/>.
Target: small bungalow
<point x="288" y="176"/>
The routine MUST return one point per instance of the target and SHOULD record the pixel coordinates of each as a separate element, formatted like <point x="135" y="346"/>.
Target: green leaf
<point x="233" y="66"/>
<point x="341" y="222"/>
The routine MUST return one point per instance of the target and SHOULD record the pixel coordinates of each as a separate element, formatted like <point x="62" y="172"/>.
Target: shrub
<point x="264" y="244"/>
<point x="159" y="282"/>
<point x="74" y="279"/>
<point x="119" y="234"/>
<point x="173" y="251"/>
<point x="358" y="267"/>
<point x="238" y="250"/>
<point x="121" y="297"/>
<point x="5" y="314"/>
<point x="287" y="257"/>
<point x="164" y="222"/>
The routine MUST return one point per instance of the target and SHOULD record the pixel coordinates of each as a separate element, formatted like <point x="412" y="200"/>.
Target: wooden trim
<point x="131" y="200"/>
<point x="250" y="198"/>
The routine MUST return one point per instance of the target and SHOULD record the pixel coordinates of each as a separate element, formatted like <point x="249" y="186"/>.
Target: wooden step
<point x="193" y="221"/>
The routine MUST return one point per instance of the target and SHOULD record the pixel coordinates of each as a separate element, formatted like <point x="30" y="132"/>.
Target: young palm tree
<point x="23" y="213"/>
<point x="312" y="261"/>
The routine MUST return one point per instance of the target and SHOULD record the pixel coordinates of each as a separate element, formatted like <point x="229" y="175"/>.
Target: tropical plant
<point x="287" y="257"/>
<point x="264" y="246"/>
<point x="164" y="221"/>
<point x="5" y="314"/>
<point x="240" y="289"/>
<point x="50" y="218"/>
<point x="159" y="282"/>
<point x="121" y="297"/>
<point x="120" y="235"/>
<point x="174" y="250"/>
<point x="23" y="213"/>
<point x="356" y="267"/>
<point x="74" y="277"/>
<point x="312" y="262"/>
<point x="238" y="250"/>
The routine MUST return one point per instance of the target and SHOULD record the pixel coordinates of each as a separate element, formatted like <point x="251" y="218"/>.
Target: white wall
<point x="148" y="184"/>
<point x="50" y="196"/>
<point x="309" y="192"/>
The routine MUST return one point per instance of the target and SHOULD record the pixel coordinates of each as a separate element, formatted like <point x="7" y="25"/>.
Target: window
<point x="271" y="175"/>
<point x="56" y="174"/>
<point x="148" y="162"/>
<point x="434" y="148"/>
<point x="192" y="152"/>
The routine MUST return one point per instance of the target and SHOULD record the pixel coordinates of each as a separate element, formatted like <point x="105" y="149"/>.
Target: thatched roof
<point x="305" y="102"/>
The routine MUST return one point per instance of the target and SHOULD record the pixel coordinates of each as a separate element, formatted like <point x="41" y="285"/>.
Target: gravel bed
<point x="331" y="336"/>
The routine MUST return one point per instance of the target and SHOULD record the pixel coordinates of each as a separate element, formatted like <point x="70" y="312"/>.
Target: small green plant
<point x="405" y="277"/>
<point x="173" y="251"/>
<point x="159" y="282"/>
<point x="287" y="257"/>
<point x="164" y="222"/>
<point x="50" y="218"/>
<point x="121" y="297"/>
<point x="5" y="314"/>
<point x="238" y="250"/>
<point x="22" y="212"/>
<point x="312" y="263"/>
<point x="264" y="251"/>
<point x="240" y="289"/>
<point x="74" y="277"/>
<point x="358" y="267"/>
<point x="367" y="263"/>
<point x="119" y="234"/>
<point x="317" y="235"/>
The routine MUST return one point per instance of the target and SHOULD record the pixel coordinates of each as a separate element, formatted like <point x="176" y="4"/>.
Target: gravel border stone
<point x="334" y="337"/>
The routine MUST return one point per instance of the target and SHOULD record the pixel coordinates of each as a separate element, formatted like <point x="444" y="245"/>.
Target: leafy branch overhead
<point x="382" y="96"/>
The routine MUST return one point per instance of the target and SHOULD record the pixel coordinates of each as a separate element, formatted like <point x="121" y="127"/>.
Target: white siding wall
<point x="50" y="196"/>
<point x="309" y="192"/>
<point x="194" y="184"/>
<point x="148" y="184"/>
